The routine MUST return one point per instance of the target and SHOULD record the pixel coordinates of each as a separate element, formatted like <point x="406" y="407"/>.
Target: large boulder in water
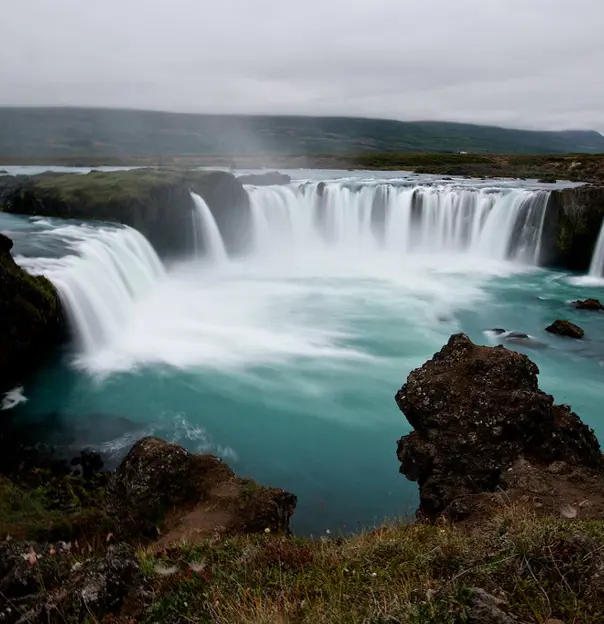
<point x="189" y="496"/>
<point x="565" y="328"/>
<point x="475" y="412"/>
<point x="31" y="322"/>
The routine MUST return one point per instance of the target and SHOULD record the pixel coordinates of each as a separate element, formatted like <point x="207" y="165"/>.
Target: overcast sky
<point x="525" y="63"/>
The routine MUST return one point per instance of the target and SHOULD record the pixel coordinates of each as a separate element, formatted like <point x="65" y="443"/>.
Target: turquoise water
<point x="286" y="364"/>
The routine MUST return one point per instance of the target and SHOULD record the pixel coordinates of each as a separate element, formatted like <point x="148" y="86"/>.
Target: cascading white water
<point x="111" y="269"/>
<point x="208" y="240"/>
<point x="596" y="268"/>
<point x="495" y="223"/>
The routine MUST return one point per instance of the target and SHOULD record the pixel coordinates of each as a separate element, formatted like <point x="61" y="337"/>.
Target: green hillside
<point x="69" y="132"/>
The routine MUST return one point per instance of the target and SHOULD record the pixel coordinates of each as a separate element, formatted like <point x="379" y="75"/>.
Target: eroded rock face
<point x="163" y="485"/>
<point x="565" y="328"/>
<point x="476" y="410"/>
<point x="31" y="322"/>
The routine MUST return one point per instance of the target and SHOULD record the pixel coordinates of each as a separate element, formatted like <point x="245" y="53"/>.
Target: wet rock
<point x="31" y="321"/>
<point x="271" y="178"/>
<point x="498" y="331"/>
<point x="518" y="335"/>
<point x="565" y="328"/>
<point x="588" y="304"/>
<point x="190" y="496"/>
<point x="475" y="411"/>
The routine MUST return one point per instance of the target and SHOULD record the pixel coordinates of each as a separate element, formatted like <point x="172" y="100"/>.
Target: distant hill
<point x="72" y="132"/>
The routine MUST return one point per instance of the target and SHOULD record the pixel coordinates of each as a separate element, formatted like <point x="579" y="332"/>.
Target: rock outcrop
<point x="571" y="228"/>
<point x="565" y="328"/>
<point x="588" y="304"/>
<point x="189" y="496"/>
<point x="156" y="202"/>
<point x="31" y="322"/>
<point x="476" y="411"/>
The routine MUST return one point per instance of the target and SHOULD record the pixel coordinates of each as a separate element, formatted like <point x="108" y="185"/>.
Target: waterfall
<point x="497" y="223"/>
<point x="596" y="268"/>
<point x="206" y="235"/>
<point x="109" y="270"/>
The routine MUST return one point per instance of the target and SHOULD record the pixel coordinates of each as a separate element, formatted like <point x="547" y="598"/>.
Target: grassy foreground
<point x="540" y="568"/>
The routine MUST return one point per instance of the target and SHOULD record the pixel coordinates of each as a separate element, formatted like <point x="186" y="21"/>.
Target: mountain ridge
<point x="68" y="132"/>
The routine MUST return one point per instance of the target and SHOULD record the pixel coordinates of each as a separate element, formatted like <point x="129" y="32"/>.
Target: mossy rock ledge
<point x="31" y="321"/>
<point x="156" y="202"/>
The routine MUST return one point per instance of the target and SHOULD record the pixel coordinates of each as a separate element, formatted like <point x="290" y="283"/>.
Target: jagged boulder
<point x="565" y="328"/>
<point x="588" y="304"/>
<point x="475" y="411"/>
<point x="31" y="321"/>
<point x="162" y="485"/>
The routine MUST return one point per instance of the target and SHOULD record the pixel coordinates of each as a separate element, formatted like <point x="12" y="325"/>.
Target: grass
<point x="541" y="568"/>
<point x="59" y="509"/>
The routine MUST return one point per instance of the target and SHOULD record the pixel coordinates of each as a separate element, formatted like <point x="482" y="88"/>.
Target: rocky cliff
<point x="573" y="221"/>
<point x="156" y="202"/>
<point x="31" y="322"/>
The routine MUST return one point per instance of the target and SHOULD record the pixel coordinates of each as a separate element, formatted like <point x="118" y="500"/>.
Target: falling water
<point x="596" y="268"/>
<point x="110" y="270"/>
<point x="208" y="240"/>
<point x="502" y="224"/>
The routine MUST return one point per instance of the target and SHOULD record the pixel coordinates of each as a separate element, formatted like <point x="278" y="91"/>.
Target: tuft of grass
<point x="541" y="567"/>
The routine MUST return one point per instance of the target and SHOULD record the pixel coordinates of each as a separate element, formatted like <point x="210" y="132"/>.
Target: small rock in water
<point x="498" y="331"/>
<point x="588" y="304"/>
<point x="518" y="335"/>
<point x="565" y="328"/>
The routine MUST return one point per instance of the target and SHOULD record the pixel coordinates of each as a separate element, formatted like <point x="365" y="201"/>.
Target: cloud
<point x="529" y="63"/>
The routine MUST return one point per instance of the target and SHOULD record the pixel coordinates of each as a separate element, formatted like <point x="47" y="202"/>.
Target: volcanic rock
<point x="189" y="496"/>
<point x="565" y="328"/>
<point x="588" y="304"/>
<point x="475" y="412"/>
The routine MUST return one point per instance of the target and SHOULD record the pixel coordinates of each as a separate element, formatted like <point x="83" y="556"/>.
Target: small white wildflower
<point x="267" y="530"/>
<point x="186" y="604"/>
<point x="197" y="566"/>
<point x="374" y="574"/>
<point x="327" y="531"/>
<point x="163" y="570"/>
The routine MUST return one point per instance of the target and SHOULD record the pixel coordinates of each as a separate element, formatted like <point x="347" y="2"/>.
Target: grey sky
<point x="526" y="63"/>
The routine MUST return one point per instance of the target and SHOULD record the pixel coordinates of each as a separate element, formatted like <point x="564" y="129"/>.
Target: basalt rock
<point x="588" y="304"/>
<point x="570" y="229"/>
<point x="475" y="411"/>
<point x="565" y="328"/>
<point x="31" y="322"/>
<point x="189" y="496"/>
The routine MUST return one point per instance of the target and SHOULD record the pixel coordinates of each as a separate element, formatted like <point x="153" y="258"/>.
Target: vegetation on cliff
<point x="155" y="201"/>
<point x="30" y="317"/>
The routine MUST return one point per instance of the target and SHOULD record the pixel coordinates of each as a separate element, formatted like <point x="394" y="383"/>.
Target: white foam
<point x="13" y="398"/>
